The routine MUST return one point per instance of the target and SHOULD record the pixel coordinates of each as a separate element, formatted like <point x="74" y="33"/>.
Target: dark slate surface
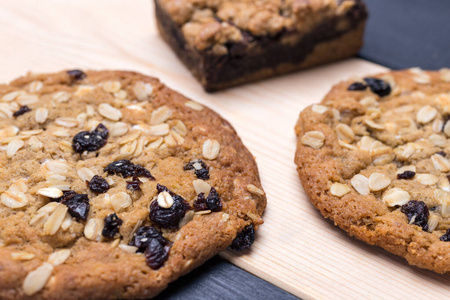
<point x="399" y="34"/>
<point x="408" y="33"/>
<point x="218" y="279"/>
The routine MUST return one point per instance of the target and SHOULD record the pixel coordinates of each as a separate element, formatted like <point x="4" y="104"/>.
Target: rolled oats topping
<point x="165" y="200"/>
<point x="59" y="257"/>
<point x="93" y="229"/>
<point x="339" y="189"/>
<point x="37" y="279"/>
<point x="361" y="184"/>
<point x="111" y="167"/>
<point x="387" y="156"/>
<point x="320" y="109"/>
<point x="22" y="256"/>
<point x="313" y="139"/>
<point x="211" y="149"/>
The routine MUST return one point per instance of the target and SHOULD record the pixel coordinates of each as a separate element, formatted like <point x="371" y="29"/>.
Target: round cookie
<point x="374" y="156"/>
<point x="114" y="185"/>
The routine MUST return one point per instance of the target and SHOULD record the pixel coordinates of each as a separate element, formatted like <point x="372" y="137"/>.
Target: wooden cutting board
<point x="296" y="248"/>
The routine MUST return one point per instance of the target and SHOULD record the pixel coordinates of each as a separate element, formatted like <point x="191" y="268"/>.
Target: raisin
<point x="149" y="240"/>
<point x="98" y="184"/>
<point x="417" y="213"/>
<point x="156" y="254"/>
<point x="112" y="224"/>
<point x="200" y="203"/>
<point x="126" y="168"/>
<point x="202" y="173"/>
<point x="21" y="111"/>
<point x="445" y="119"/>
<point x="140" y="171"/>
<point x="161" y="188"/>
<point x="406" y="175"/>
<point x="168" y="217"/>
<point x="78" y="204"/>
<point x="212" y="202"/>
<point x="441" y="153"/>
<point x="134" y="185"/>
<point x="357" y="86"/>
<point x="76" y="74"/>
<point x="90" y="140"/>
<point x="144" y="235"/>
<point x="378" y="86"/>
<point x="122" y="167"/>
<point x="446" y="236"/>
<point x="65" y="195"/>
<point x="244" y="239"/>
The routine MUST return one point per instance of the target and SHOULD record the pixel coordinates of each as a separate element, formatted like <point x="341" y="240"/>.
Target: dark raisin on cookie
<point x="22" y="110"/>
<point x="134" y="185"/>
<point x="212" y="202"/>
<point x="200" y="203"/>
<point x="441" y="153"/>
<point x="65" y="194"/>
<point x="140" y="171"/>
<point x="357" y="86"/>
<point x="417" y="213"/>
<point x="144" y="235"/>
<point x="406" y="175"/>
<point x="446" y="236"/>
<point x="90" y="140"/>
<point x="168" y="217"/>
<point x="98" y="184"/>
<point x="126" y="168"/>
<point x="122" y="167"/>
<point x="201" y="169"/>
<point x="112" y="224"/>
<point x="244" y="239"/>
<point x="378" y="86"/>
<point x="76" y="74"/>
<point x="161" y="188"/>
<point x="156" y="254"/>
<point x="148" y="239"/>
<point x="78" y="204"/>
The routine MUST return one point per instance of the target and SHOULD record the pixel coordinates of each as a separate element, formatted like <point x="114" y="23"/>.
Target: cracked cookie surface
<point x="96" y="199"/>
<point x="374" y="156"/>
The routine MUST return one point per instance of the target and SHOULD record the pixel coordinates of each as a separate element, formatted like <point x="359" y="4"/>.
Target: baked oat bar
<point x="230" y="42"/>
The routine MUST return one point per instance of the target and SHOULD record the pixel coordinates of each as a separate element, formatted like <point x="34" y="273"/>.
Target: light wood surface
<point x="296" y="248"/>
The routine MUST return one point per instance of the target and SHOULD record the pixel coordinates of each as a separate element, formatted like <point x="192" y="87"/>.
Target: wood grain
<point x="296" y="248"/>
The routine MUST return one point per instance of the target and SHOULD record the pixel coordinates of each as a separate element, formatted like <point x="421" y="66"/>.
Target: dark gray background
<point x="400" y="34"/>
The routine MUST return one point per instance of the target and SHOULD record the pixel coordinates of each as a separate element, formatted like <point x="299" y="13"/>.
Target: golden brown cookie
<point x="374" y="156"/>
<point x="114" y="185"/>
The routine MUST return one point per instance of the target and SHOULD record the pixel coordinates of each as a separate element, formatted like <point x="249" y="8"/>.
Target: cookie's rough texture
<point x="66" y="233"/>
<point x="225" y="43"/>
<point x="374" y="158"/>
